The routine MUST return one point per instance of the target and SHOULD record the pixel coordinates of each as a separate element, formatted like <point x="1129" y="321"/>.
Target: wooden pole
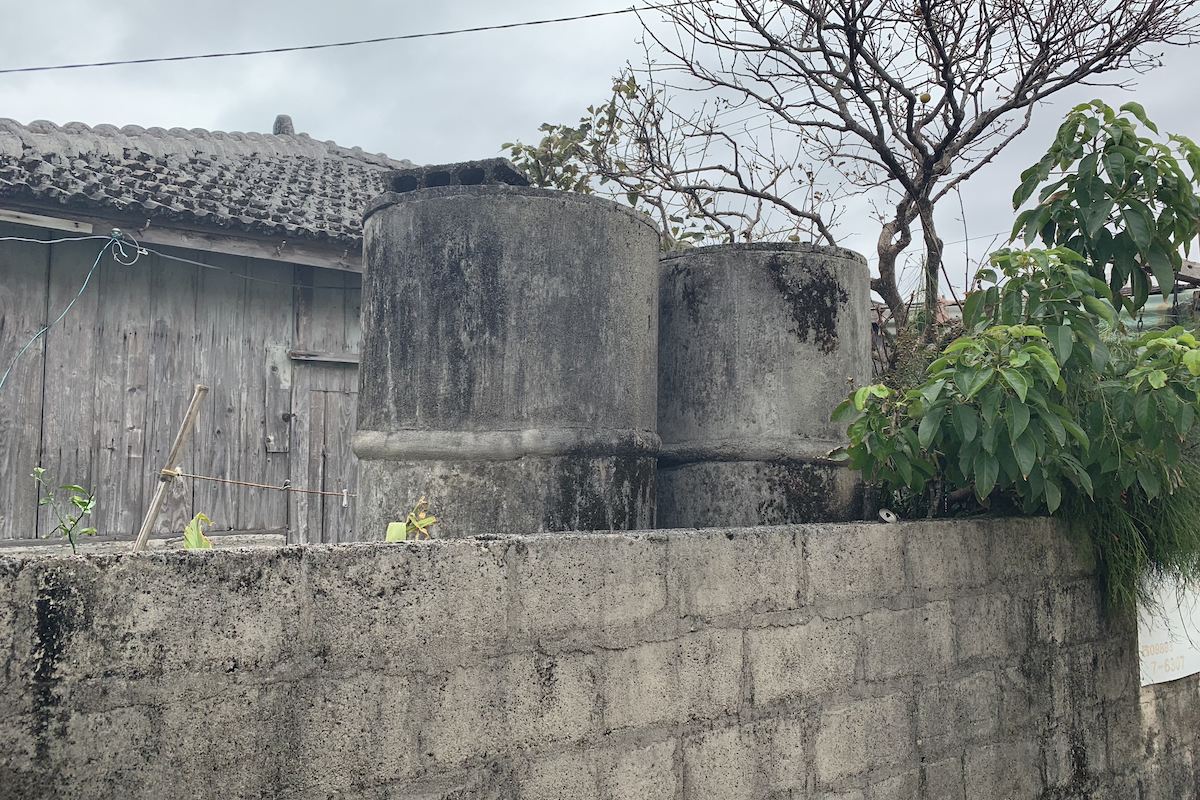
<point x="165" y="477"/>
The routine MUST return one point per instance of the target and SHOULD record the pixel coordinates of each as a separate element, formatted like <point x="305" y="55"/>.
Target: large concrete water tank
<point x="757" y="345"/>
<point x="508" y="362"/>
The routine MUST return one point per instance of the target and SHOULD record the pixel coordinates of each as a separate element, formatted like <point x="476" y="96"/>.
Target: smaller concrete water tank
<point x="757" y="345"/>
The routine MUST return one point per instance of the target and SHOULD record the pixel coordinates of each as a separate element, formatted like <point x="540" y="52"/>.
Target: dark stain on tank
<point x="814" y="298"/>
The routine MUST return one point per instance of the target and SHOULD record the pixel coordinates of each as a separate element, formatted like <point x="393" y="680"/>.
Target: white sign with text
<point x="1169" y="637"/>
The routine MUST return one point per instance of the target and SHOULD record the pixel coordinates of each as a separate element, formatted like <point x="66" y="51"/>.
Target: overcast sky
<point x="435" y="100"/>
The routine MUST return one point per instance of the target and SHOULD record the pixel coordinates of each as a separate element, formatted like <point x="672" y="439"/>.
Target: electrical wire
<point x="115" y="243"/>
<point x="356" y="43"/>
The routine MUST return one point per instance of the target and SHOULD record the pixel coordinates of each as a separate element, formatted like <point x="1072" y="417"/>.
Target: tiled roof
<point x="279" y="185"/>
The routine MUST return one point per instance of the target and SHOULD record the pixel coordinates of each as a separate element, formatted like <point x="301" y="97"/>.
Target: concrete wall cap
<point x="787" y="247"/>
<point x="388" y="199"/>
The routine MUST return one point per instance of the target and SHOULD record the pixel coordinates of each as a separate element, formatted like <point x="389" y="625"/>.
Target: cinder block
<point x="557" y="776"/>
<point x="803" y="660"/>
<point x="909" y="642"/>
<point x="953" y="713"/>
<point x="698" y="676"/>
<point x="1024" y="554"/>
<point x="721" y="763"/>
<point x="946" y="556"/>
<point x="644" y="773"/>
<point x="991" y="627"/>
<point x="1008" y="771"/>
<point x="754" y="570"/>
<point x="851" y="562"/>
<point x="864" y="735"/>
<point x="1069" y="613"/>
<point x="412" y="606"/>
<point x="519" y="701"/>
<point x="944" y="779"/>
<point x="761" y="759"/>
<point x="591" y="589"/>
<point x="898" y="787"/>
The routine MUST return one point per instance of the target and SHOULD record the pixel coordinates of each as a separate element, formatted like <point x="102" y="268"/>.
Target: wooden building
<point x="249" y="283"/>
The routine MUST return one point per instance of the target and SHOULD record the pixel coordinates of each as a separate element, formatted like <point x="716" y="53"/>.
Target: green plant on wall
<point x="193" y="534"/>
<point x="416" y="525"/>
<point x="69" y="518"/>
<point x="1047" y="403"/>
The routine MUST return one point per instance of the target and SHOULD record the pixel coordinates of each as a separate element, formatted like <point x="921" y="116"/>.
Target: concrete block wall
<point x="858" y="661"/>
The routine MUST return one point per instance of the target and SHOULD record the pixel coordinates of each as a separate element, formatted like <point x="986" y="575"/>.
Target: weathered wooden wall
<point x="98" y="399"/>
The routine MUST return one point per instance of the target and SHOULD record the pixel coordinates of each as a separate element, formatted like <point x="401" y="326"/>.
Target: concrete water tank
<point x="508" y="362"/>
<point x="757" y="345"/>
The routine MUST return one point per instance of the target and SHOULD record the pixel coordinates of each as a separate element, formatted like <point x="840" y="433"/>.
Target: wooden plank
<point x="288" y="251"/>
<point x="68" y="429"/>
<point x="266" y="375"/>
<point x="221" y="325"/>
<point x="327" y="358"/>
<point x="353" y="313"/>
<point x="172" y="374"/>
<point x="25" y="269"/>
<point x="341" y="466"/>
<point x="122" y="371"/>
<point x="40" y="221"/>
<point x="307" y="460"/>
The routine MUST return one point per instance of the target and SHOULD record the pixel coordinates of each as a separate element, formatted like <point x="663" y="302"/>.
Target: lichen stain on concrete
<point x="799" y="492"/>
<point x="61" y="609"/>
<point x="588" y="500"/>
<point x="814" y="299"/>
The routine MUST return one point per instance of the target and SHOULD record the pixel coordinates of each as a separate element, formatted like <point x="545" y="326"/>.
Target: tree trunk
<point x="933" y="267"/>
<point x="893" y="238"/>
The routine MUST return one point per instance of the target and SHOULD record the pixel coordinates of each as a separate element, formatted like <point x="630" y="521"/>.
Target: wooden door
<point x="324" y="402"/>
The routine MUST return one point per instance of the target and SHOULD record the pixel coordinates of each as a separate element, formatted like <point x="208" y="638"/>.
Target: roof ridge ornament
<point x="283" y="126"/>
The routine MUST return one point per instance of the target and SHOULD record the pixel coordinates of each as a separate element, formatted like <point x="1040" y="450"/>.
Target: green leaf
<point x="1017" y="416"/>
<point x="930" y="391"/>
<point x="971" y="309"/>
<point x="395" y="532"/>
<point x="845" y="412"/>
<point x="1061" y="338"/>
<point x="1075" y="431"/>
<point x="1157" y="378"/>
<point x="990" y="404"/>
<point x="980" y="380"/>
<point x="929" y="426"/>
<point x="1145" y="410"/>
<point x="1191" y="360"/>
<point x="987" y="469"/>
<point x="1149" y="482"/>
<point x="1183" y="422"/>
<point x="193" y="534"/>
<point x="1139" y="112"/>
<point x="1100" y="309"/>
<point x="1055" y="425"/>
<point x="1053" y="496"/>
<point x="860" y="397"/>
<point x="1138" y="227"/>
<point x="903" y="467"/>
<point x="1017" y="381"/>
<point x="1026" y="453"/>
<point x="1160" y="265"/>
<point x="965" y="422"/>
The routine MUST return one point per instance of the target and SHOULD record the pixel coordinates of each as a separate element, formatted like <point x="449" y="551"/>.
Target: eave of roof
<point x="288" y="185"/>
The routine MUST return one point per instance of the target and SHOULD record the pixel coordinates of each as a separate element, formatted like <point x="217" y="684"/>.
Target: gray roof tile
<point x="279" y="185"/>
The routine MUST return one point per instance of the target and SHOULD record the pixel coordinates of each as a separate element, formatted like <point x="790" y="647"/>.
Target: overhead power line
<point x="379" y="40"/>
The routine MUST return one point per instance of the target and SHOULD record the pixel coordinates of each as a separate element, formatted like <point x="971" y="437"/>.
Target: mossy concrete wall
<point x="947" y="660"/>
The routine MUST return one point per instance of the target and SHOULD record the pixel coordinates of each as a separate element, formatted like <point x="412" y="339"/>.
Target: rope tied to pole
<point x="287" y="487"/>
